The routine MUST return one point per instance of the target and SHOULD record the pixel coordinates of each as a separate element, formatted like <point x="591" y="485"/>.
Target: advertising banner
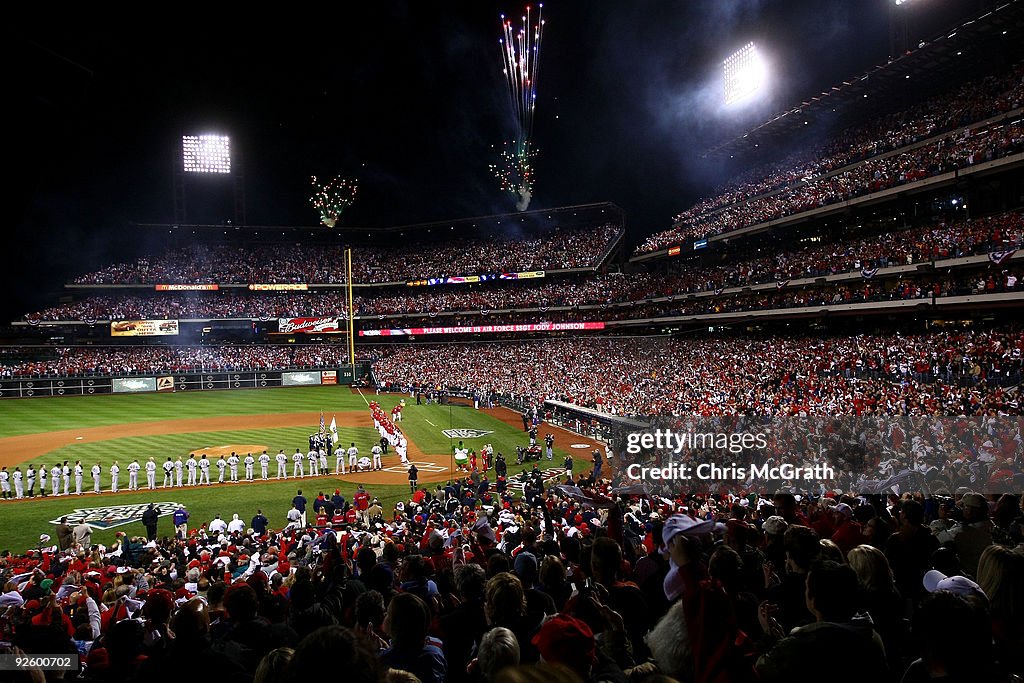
<point x="143" y="328"/>
<point x="293" y="379"/>
<point x="281" y="287"/>
<point x="187" y="288"/>
<point x="482" y="329"/>
<point x="133" y="385"/>
<point x="307" y="325"/>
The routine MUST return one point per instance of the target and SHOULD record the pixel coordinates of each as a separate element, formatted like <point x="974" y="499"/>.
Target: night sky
<point x="409" y="98"/>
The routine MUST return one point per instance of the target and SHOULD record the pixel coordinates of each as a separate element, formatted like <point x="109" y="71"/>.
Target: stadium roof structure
<point x="960" y="51"/>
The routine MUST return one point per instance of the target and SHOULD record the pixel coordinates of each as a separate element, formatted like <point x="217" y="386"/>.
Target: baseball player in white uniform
<point x="314" y="462"/>
<point x="264" y="465"/>
<point x="282" y="465"/>
<point x="95" y="478"/>
<point x="322" y="455"/>
<point x="339" y="461"/>
<point x="249" y="462"/>
<point x="353" y="457"/>
<point x="42" y="480"/>
<point x="5" y="483"/>
<point x="168" y="468"/>
<point x="191" y="464"/>
<point x="179" y="468"/>
<point x="133" y="475"/>
<point x="376" y="452"/>
<point x="55" y="479"/>
<point x="298" y="469"/>
<point x="115" y="474"/>
<point x="221" y="466"/>
<point x="204" y="470"/>
<point x="19" y="483"/>
<point x="151" y="474"/>
<point x="79" y="471"/>
<point x="402" y="448"/>
<point x="66" y="473"/>
<point x="233" y="466"/>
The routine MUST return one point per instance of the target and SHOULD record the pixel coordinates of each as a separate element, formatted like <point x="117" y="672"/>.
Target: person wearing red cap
<point x="566" y="640"/>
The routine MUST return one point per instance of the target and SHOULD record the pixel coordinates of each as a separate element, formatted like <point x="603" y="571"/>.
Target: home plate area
<point x="422" y="466"/>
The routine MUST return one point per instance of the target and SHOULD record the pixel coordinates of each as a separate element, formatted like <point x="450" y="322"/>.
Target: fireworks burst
<point x="520" y="56"/>
<point x="332" y="198"/>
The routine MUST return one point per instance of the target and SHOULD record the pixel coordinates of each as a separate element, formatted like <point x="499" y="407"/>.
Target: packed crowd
<point x="125" y="360"/>
<point x="974" y="101"/>
<point x="948" y="372"/>
<point x="579" y="582"/>
<point x="955" y="151"/>
<point x="800" y="181"/>
<point x="879" y="250"/>
<point x="325" y="264"/>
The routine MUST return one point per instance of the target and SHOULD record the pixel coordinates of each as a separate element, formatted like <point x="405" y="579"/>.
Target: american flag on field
<point x="323" y="426"/>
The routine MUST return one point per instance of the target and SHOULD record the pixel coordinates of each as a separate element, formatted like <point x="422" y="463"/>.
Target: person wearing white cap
<point x="679" y="535"/>
<point x="935" y="581"/>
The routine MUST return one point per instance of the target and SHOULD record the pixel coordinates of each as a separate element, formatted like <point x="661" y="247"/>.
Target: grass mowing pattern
<point x="40" y="415"/>
<point x="423" y="424"/>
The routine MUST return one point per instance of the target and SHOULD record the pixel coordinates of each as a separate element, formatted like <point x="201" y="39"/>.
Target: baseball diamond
<point x="668" y="342"/>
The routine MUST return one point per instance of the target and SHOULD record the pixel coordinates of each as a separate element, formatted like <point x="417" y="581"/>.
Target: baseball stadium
<point x="684" y="350"/>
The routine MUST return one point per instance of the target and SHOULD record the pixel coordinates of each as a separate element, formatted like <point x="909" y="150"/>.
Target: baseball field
<point x="122" y="427"/>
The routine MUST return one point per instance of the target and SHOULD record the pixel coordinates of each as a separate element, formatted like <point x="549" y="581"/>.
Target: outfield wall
<point x="166" y="382"/>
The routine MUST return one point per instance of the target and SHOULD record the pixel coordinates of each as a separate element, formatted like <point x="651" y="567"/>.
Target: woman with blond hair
<point x="1001" y="577"/>
<point x="882" y="600"/>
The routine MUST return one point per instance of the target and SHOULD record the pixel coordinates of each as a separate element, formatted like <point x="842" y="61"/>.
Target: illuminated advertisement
<point x="282" y="287"/>
<point x="471" y="279"/>
<point x="482" y="329"/>
<point x="187" y="288"/>
<point x="307" y="325"/>
<point x="143" y="328"/>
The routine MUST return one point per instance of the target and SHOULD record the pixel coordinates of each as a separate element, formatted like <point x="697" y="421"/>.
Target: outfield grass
<point x="24" y="521"/>
<point x="39" y="415"/>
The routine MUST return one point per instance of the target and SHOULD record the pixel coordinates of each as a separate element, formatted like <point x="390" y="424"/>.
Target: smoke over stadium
<point x="617" y="341"/>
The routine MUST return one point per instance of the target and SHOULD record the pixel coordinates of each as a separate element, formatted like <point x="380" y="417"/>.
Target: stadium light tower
<point x="199" y="162"/>
<point x="744" y="73"/>
<point x="206" y="153"/>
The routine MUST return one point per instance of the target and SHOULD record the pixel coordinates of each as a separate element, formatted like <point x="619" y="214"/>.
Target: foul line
<point x="429" y="422"/>
<point x="360" y="392"/>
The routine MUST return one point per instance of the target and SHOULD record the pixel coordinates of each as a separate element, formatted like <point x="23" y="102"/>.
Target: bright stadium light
<point x="744" y="73"/>
<point x="206" y="153"/>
